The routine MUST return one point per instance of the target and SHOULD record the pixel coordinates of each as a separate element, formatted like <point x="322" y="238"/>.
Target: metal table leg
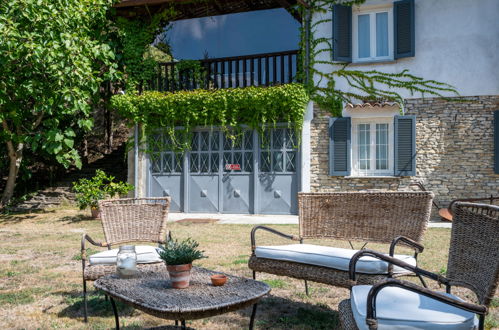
<point x="252" y="319"/>
<point x="115" y="311"/>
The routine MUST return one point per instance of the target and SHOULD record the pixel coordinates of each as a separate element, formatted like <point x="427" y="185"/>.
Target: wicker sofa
<point x="395" y="218"/>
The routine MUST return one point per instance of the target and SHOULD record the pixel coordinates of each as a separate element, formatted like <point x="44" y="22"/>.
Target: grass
<point x="40" y="276"/>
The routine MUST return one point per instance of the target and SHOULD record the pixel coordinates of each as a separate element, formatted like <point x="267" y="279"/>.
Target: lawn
<point x="40" y="276"/>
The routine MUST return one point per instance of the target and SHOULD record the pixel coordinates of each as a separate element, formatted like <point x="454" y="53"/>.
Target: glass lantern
<point x="126" y="261"/>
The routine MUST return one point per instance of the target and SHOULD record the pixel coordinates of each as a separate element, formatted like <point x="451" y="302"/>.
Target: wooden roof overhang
<point x="186" y="9"/>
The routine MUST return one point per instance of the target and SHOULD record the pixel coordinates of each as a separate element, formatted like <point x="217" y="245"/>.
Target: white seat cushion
<point x="145" y="255"/>
<point x="331" y="257"/>
<point x="401" y="309"/>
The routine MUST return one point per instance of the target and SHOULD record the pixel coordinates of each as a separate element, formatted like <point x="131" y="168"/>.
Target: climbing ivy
<point x="370" y="85"/>
<point x="135" y="36"/>
<point x="227" y="109"/>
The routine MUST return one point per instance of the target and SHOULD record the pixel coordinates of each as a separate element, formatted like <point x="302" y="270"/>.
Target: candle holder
<point x="126" y="261"/>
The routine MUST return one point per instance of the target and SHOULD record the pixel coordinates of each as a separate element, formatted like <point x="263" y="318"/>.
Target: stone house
<point x="449" y="144"/>
<point x="450" y="147"/>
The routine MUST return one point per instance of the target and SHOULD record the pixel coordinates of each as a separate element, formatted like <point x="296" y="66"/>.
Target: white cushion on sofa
<point x="145" y="255"/>
<point x="331" y="257"/>
<point x="401" y="309"/>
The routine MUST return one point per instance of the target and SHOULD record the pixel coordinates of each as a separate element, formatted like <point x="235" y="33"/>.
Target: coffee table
<point x="151" y="292"/>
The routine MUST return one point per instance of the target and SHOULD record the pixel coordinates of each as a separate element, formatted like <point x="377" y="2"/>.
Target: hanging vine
<point x="135" y="36"/>
<point x="370" y="85"/>
<point x="227" y="109"/>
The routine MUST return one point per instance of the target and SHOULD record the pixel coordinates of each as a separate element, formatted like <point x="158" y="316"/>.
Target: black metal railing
<point x="229" y="72"/>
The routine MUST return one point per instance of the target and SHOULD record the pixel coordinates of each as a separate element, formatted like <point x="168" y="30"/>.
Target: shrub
<point x="101" y="186"/>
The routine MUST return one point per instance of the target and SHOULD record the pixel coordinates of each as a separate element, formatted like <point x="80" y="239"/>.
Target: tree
<point x="53" y="57"/>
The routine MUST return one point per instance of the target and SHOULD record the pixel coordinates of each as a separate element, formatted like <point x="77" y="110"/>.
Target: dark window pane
<point x="178" y="162"/>
<point x="277" y="139"/>
<point x="291" y="142"/>
<point x="167" y="163"/>
<point x="248" y="140"/>
<point x="204" y="163"/>
<point x="291" y="161"/>
<point x="214" y="141"/>
<point x="195" y="142"/>
<point x="278" y="161"/>
<point x="194" y="162"/>
<point x="214" y="163"/>
<point x="155" y="162"/>
<point x="204" y="140"/>
<point x="248" y="162"/>
<point x="265" y="161"/>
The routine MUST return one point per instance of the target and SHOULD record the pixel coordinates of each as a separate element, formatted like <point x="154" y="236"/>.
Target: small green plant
<point x="180" y="253"/>
<point x="101" y="186"/>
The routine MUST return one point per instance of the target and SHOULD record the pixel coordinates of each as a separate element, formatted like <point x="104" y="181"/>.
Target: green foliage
<point x="371" y="85"/>
<point x="101" y="186"/>
<point x="180" y="253"/>
<point x="257" y="107"/>
<point x="51" y="55"/>
<point x="135" y="36"/>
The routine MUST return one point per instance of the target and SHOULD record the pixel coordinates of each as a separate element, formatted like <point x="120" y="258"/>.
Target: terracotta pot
<point x="180" y="275"/>
<point x="95" y="213"/>
<point x="218" y="280"/>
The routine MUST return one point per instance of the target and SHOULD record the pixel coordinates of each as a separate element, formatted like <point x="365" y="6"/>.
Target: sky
<point x="248" y="33"/>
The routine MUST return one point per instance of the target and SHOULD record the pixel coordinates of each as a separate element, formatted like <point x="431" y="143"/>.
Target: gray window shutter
<point x="496" y="142"/>
<point x="339" y="146"/>
<point x="405" y="145"/>
<point x="404" y="34"/>
<point x="342" y="33"/>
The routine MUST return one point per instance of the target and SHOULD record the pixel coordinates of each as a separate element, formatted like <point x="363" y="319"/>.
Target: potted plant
<point x="101" y="186"/>
<point x="178" y="257"/>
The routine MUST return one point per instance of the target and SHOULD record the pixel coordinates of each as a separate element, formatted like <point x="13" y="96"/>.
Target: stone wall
<point x="455" y="150"/>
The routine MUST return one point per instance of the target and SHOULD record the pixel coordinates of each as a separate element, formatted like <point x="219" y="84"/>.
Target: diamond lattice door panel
<point x="237" y="180"/>
<point x="277" y="185"/>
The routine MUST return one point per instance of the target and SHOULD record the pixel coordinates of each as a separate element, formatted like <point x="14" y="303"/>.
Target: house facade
<point x="447" y="144"/>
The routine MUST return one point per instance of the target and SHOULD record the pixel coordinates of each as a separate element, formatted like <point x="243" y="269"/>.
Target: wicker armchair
<point x="126" y="221"/>
<point x="473" y="263"/>
<point x="385" y="217"/>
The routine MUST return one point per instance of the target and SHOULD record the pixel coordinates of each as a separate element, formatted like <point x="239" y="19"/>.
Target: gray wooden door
<point x="263" y="178"/>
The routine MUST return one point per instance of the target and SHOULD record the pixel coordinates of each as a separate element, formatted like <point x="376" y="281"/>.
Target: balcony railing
<point x="230" y="72"/>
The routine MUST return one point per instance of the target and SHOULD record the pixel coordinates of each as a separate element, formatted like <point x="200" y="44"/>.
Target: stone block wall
<point x="455" y="150"/>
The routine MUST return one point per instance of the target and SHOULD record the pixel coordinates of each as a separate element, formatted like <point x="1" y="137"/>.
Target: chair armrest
<point x="402" y="239"/>
<point x="85" y="238"/>
<point x="376" y="288"/>
<point x="273" y="231"/>
<point x="392" y="261"/>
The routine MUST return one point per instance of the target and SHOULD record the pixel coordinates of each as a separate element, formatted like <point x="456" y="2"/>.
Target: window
<point x="372" y="145"/>
<point x="374" y="142"/>
<point x="372" y="35"/>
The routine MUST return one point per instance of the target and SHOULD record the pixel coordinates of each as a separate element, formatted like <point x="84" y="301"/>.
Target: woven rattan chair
<point x="384" y="217"/>
<point x="473" y="263"/>
<point x="126" y="221"/>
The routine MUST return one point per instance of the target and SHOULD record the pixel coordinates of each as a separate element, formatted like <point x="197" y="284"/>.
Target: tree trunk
<point x="15" y="158"/>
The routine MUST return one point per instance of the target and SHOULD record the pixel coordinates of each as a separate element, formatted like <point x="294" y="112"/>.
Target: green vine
<point x="369" y="85"/>
<point x="136" y="35"/>
<point x="259" y="108"/>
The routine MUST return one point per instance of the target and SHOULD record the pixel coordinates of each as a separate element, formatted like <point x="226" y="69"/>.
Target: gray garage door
<point x="219" y="174"/>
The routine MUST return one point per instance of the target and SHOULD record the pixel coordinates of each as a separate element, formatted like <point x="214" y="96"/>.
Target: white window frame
<point x="372" y="11"/>
<point x="355" y="170"/>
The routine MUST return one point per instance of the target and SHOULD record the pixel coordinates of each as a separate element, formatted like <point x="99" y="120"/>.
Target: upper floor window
<point x="372" y="35"/>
